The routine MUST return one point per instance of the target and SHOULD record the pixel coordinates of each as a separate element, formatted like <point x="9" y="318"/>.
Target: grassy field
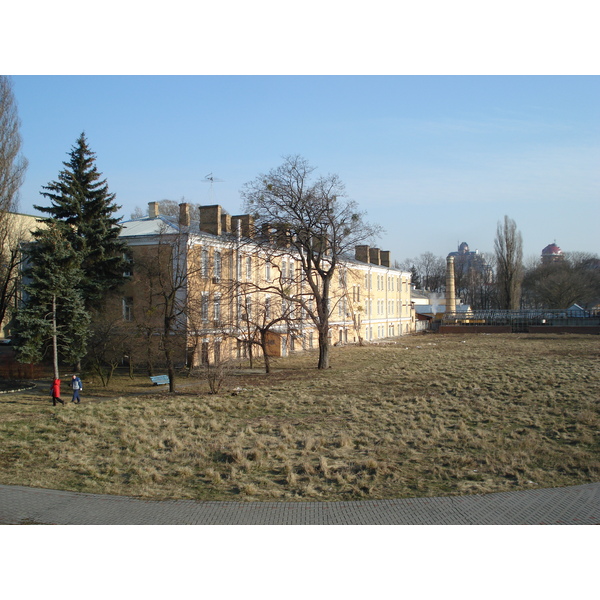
<point x="430" y="415"/>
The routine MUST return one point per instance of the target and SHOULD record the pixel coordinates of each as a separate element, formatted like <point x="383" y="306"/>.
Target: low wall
<point x="475" y="329"/>
<point x="11" y="369"/>
<point x="462" y="329"/>
<point x="565" y="329"/>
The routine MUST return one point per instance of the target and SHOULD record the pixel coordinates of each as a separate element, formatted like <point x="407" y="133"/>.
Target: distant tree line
<point x="572" y="278"/>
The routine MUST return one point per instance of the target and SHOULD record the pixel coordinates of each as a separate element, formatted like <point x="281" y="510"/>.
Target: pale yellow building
<point x="232" y="282"/>
<point x="15" y="229"/>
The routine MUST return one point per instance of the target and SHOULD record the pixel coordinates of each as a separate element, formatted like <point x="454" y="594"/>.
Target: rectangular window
<point x="239" y="306"/>
<point x="204" y="306"/>
<point x="217" y="309"/>
<point x="267" y="308"/>
<point x="128" y="258"/>
<point x="217" y="265"/>
<point x="268" y="271"/>
<point x="204" y="263"/>
<point x="248" y="268"/>
<point x="128" y="309"/>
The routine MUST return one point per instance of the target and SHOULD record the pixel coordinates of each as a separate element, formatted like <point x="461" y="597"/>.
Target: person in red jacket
<point x="55" y="391"/>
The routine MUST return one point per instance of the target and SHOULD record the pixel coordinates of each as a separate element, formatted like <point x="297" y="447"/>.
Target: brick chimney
<point x="210" y="219"/>
<point x="362" y="253"/>
<point x="385" y="258"/>
<point x="375" y="256"/>
<point x="184" y="214"/>
<point x="246" y="224"/>
<point x="225" y="223"/>
<point x="153" y="210"/>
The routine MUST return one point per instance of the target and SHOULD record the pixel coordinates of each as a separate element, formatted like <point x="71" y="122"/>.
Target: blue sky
<point x="436" y="160"/>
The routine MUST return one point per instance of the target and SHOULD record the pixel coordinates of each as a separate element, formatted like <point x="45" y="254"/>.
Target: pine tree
<point x="83" y="202"/>
<point x="54" y="319"/>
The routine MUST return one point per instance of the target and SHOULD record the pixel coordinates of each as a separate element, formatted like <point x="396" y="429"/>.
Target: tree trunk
<point x="54" y="339"/>
<point x="263" y="345"/>
<point x="323" y="310"/>
<point x="250" y="355"/>
<point x="170" y="369"/>
<point x="323" y="347"/>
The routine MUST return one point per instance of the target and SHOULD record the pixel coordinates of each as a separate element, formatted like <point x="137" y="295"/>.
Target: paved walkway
<point x="576" y="505"/>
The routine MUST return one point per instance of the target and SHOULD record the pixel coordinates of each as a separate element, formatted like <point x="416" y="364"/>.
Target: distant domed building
<point x="551" y="253"/>
<point x="466" y="260"/>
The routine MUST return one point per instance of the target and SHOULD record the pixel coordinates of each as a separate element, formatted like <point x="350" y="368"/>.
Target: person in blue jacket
<point x="77" y="387"/>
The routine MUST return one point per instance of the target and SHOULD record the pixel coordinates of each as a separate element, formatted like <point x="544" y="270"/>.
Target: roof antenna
<point x="211" y="179"/>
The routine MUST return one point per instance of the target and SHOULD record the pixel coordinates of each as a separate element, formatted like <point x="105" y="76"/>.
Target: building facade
<point x="216" y="288"/>
<point x="15" y="230"/>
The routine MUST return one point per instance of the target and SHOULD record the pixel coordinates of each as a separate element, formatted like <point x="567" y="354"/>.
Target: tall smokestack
<point x="450" y="291"/>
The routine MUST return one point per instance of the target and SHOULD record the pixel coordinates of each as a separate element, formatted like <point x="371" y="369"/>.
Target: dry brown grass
<point x="428" y="416"/>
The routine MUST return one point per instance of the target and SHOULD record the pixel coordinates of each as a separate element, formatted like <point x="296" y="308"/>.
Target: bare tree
<point x="473" y="277"/>
<point x="12" y="164"/>
<point x="267" y="306"/>
<point x="428" y="271"/>
<point x="174" y="290"/>
<point x="311" y="218"/>
<point x="108" y="344"/>
<point x="161" y="277"/>
<point x="12" y="172"/>
<point x="508" y="247"/>
<point x="13" y="233"/>
<point x="575" y="278"/>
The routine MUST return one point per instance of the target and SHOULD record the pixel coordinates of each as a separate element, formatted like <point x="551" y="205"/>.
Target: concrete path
<point x="576" y="505"/>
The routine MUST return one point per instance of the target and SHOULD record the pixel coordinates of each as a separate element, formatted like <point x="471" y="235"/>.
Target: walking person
<point x="77" y="387"/>
<point x="55" y="391"/>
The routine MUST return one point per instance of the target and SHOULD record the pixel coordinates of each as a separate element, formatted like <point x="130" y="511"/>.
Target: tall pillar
<point x="450" y="289"/>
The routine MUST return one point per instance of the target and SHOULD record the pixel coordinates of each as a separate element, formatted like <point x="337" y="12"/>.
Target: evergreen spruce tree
<point x="83" y="202"/>
<point x="54" y="319"/>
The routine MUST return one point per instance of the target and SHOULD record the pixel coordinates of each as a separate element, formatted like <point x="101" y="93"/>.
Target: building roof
<point x="148" y="226"/>
<point x="161" y="224"/>
<point x="551" y="250"/>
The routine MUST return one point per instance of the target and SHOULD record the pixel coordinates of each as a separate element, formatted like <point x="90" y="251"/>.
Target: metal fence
<point x="524" y="320"/>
